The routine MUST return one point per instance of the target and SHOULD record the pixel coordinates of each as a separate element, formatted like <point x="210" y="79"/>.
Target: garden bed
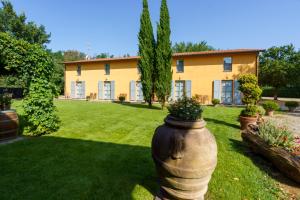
<point x="285" y="161"/>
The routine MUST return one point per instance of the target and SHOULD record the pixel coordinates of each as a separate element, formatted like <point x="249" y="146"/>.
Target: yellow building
<point x="209" y="74"/>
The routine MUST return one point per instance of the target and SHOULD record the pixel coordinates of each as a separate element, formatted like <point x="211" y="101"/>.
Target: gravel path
<point x="291" y="120"/>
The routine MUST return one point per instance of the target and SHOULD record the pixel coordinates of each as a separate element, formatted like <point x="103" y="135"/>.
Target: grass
<point x="102" y="151"/>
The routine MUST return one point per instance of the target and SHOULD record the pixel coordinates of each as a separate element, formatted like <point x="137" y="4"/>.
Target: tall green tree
<point x="147" y="54"/>
<point x="191" y="47"/>
<point x="278" y="67"/>
<point x="163" y="67"/>
<point x="16" y="26"/>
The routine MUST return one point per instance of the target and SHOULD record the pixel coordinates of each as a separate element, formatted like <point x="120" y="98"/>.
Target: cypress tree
<point x="163" y="69"/>
<point x="147" y="54"/>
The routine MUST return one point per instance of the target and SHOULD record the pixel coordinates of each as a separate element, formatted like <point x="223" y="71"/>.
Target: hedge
<point x="288" y="92"/>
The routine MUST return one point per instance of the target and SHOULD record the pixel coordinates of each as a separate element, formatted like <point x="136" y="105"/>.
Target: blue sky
<point x="95" y="26"/>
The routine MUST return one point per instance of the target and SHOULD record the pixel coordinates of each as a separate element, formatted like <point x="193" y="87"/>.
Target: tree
<point x="73" y="55"/>
<point x="34" y="66"/>
<point x="104" y="55"/>
<point x="16" y="26"/>
<point x="191" y="47"/>
<point x="277" y="67"/>
<point x="147" y="54"/>
<point x="163" y="67"/>
<point x="58" y="71"/>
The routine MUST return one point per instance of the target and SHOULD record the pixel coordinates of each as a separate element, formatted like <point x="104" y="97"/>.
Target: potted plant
<point x="215" y="102"/>
<point x="292" y="105"/>
<point x="6" y="101"/>
<point x="184" y="152"/>
<point x="270" y="107"/>
<point x="251" y="94"/>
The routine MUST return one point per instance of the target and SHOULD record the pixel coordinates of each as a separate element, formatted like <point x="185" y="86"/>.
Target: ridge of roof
<point x="174" y="55"/>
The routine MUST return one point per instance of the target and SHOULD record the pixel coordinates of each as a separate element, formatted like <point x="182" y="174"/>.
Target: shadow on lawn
<point x="262" y="163"/>
<point x="216" y="121"/>
<point x="140" y="105"/>
<point x="75" y="169"/>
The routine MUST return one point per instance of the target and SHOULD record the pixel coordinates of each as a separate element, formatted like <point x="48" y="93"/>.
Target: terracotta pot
<point x="245" y="121"/>
<point x="270" y="113"/>
<point x="9" y="124"/>
<point x="185" y="155"/>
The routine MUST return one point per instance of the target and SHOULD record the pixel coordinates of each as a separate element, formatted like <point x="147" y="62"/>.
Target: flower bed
<point x="282" y="152"/>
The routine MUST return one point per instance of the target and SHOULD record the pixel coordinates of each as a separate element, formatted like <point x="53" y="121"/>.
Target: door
<point x="139" y="91"/>
<point x="79" y="90"/>
<point x="107" y="90"/>
<point x="226" y="95"/>
<point x="179" y="89"/>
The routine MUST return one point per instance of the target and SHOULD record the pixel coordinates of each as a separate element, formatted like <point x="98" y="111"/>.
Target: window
<point x="179" y="89"/>
<point x="107" y="90"/>
<point x="78" y="70"/>
<point x="227" y="64"/>
<point x="107" y="69"/>
<point x="180" y="66"/>
<point x="226" y="95"/>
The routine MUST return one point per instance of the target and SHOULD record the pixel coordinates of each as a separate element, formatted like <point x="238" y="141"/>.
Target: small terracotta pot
<point x="270" y="113"/>
<point x="245" y="121"/>
<point x="185" y="156"/>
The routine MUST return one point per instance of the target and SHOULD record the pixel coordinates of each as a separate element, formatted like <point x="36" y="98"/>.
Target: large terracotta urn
<point x="185" y="155"/>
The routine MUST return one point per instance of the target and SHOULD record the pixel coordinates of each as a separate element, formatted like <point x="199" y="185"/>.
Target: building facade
<point x="209" y="74"/>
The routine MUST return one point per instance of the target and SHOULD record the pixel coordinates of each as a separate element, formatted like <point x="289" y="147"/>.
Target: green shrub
<point x="186" y="109"/>
<point x="260" y="110"/>
<point x="291" y="104"/>
<point x="250" y="89"/>
<point x="276" y="136"/>
<point x="122" y="97"/>
<point x="250" y="111"/>
<point x="270" y="105"/>
<point x="215" y="102"/>
<point x="39" y="108"/>
<point x="5" y="100"/>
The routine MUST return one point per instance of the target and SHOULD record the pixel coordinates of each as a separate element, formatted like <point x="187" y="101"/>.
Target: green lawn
<point x="102" y="151"/>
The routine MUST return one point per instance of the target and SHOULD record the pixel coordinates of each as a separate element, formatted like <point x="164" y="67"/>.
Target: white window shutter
<point x="217" y="89"/>
<point x="83" y="90"/>
<point x="112" y="90"/>
<point x="188" y="88"/>
<point x="100" y="89"/>
<point x="73" y="89"/>
<point x="132" y="90"/>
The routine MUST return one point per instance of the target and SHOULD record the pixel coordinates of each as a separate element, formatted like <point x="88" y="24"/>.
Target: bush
<point x="5" y="99"/>
<point x="250" y="111"/>
<point x="215" y="102"/>
<point x="288" y="92"/>
<point x="39" y="108"/>
<point x="276" y="136"/>
<point x="270" y="105"/>
<point x="291" y="104"/>
<point x="122" y="97"/>
<point x="261" y="111"/>
<point x="250" y="89"/>
<point x="186" y="109"/>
